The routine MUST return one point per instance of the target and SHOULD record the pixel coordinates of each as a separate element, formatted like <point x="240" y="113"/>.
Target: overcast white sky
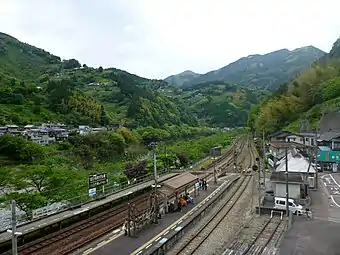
<point x="157" y="38"/>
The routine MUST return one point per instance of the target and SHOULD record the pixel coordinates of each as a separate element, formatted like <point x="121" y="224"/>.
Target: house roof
<point x="330" y="122"/>
<point x="328" y="136"/>
<point x="286" y="145"/>
<point x="296" y="163"/>
<point x="280" y="177"/>
<point x="305" y="134"/>
<point x="281" y="133"/>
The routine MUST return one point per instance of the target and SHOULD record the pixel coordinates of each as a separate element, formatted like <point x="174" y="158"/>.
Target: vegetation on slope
<point x="219" y="103"/>
<point x="181" y="78"/>
<point x="307" y="97"/>
<point x="40" y="87"/>
<point x="266" y="71"/>
<point x="36" y="175"/>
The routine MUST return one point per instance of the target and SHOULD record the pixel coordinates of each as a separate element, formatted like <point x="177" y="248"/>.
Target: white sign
<point x="92" y="192"/>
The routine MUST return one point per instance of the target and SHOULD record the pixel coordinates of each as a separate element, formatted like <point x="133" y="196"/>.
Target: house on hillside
<point x="84" y="130"/>
<point x="39" y="136"/>
<point x="279" y="136"/>
<point x="307" y="139"/>
<point x="330" y="139"/>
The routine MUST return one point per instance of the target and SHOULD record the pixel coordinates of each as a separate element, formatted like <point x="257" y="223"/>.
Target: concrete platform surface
<point x="117" y="243"/>
<point x="33" y="226"/>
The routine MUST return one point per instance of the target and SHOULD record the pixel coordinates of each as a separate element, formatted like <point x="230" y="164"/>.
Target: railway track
<point x="263" y="241"/>
<point x="75" y="236"/>
<point x="200" y="237"/>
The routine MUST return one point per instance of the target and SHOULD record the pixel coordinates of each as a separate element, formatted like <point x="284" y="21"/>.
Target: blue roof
<point x="324" y="148"/>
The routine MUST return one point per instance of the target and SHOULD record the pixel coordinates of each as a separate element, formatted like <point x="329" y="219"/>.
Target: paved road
<point x="311" y="237"/>
<point x="330" y="186"/>
<point x="320" y="235"/>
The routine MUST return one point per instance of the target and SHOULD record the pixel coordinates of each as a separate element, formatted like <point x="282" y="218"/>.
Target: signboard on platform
<point x="216" y="151"/>
<point x="92" y="192"/>
<point x="329" y="156"/>
<point x="97" y="180"/>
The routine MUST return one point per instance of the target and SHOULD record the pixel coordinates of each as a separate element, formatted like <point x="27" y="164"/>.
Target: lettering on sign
<point x="98" y="179"/>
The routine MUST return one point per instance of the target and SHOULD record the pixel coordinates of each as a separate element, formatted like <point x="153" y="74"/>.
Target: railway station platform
<point x="63" y="216"/>
<point x="124" y="245"/>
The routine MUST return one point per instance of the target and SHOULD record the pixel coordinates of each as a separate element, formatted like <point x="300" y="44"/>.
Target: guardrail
<point x="167" y="243"/>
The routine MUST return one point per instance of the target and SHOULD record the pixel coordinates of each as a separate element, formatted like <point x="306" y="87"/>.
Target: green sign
<point x="329" y="156"/>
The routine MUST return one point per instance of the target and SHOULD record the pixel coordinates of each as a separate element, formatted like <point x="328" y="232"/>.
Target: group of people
<point x="184" y="200"/>
<point x="202" y="184"/>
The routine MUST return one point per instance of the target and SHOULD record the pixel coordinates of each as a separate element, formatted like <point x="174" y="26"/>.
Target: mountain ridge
<point x="269" y="70"/>
<point x="180" y="78"/>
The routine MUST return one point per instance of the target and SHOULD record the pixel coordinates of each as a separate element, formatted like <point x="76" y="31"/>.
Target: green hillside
<point x="219" y="103"/>
<point x="307" y="97"/>
<point x="37" y="86"/>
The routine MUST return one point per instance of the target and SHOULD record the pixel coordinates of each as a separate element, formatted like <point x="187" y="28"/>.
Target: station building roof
<point x="296" y="163"/>
<point x="180" y="181"/>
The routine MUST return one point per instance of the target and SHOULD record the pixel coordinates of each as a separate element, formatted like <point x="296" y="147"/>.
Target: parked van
<point x="280" y="203"/>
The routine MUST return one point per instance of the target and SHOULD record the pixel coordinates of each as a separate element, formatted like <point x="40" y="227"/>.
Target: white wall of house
<point x="308" y="141"/>
<point x="293" y="190"/>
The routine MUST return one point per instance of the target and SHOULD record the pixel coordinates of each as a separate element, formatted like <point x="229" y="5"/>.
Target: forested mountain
<point x="315" y="91"/>
<point x="181" y="78"/>
<point x="266" y="71"/>
<point x="219" y="103"/>
<point x="37" y="86"/>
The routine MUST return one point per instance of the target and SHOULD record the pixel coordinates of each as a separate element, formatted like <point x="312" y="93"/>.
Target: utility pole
<point x="156" y="184"/>
<point x="263" y="157"/>
<point x="287" y="187"/>
<point x="13" y="231"/>
<point x="259" y="170"/>
<point x="166" y="159"/>
<point x="316" y="158"/>
<point x="235" y="160"/>
<point x="215" y="177"/>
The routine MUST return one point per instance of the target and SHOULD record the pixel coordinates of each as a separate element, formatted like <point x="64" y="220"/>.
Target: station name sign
<point x="98" y="180"/>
